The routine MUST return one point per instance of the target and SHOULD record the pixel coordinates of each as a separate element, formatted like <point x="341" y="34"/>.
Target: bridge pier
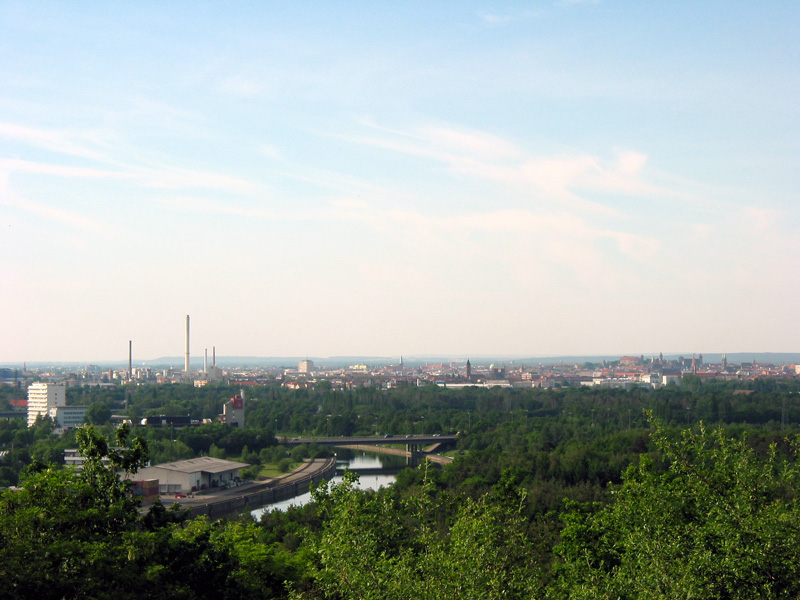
<point x="415" y="453"/>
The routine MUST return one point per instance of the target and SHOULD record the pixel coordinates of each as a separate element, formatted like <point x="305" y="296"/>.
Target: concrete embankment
<point x="236" y="501"/>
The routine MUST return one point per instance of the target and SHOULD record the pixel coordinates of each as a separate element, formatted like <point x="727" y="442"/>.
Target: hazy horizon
<point x="510" y="360"/>
<point x="554" y="178"/>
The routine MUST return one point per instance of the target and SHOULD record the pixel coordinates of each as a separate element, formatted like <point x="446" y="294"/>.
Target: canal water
<point x="371" y="481"/>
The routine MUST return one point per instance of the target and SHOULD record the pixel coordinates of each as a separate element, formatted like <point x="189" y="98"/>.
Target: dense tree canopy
<point x="721" y="522"/>
<point x="571" y="493"/>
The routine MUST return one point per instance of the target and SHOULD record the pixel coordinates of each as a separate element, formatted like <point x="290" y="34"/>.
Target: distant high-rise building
<point x="305" y="366"/>
<point x="42" y="397"/>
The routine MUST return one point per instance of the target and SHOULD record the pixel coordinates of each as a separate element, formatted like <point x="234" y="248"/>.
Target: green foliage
<point x="61" y="532"/>
<point x="98" y="413"/>
<point x="709" y="515"/>
<point x="250" y="473"/>
<point x="80" y="535"/>
<point x="376" y="546"/>
<point x="719" y="523"/>
<point x="122" y="458"/>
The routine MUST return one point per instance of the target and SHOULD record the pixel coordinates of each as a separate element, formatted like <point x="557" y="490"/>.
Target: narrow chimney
<point x="186" y="365"/>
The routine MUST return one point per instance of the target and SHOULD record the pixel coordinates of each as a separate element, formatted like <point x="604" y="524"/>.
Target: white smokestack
<point x="205" y="362"/>
<point x="186" y="366"/>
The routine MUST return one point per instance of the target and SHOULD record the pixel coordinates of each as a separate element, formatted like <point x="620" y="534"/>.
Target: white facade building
<point x="305" y="366"/>
<point x="45" y="396"/>
<point x="68" y="416"/>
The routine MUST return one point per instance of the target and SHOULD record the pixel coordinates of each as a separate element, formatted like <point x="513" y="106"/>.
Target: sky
<point x="544" y="178"/>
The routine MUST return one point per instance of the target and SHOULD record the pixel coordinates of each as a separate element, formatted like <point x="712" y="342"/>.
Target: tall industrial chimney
<point x="205" y="361"/>
<point x="186" y="366"/>
<point x="130" y="360"/>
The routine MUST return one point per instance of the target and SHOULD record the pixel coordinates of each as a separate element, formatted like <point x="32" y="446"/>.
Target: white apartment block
<point x="45" y="396"/>
<point x="68" y="416"/>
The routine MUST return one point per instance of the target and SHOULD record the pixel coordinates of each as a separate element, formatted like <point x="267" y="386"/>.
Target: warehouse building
<point x="194" y="475"/>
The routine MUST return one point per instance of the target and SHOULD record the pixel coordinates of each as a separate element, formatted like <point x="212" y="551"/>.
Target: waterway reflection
<point x="371" y="481"/>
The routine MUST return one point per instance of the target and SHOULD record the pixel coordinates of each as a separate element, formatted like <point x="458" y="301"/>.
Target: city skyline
<point x="551" y="179"/>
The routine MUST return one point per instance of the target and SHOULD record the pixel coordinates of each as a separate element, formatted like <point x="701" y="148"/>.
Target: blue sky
<point x="317" y="178"/>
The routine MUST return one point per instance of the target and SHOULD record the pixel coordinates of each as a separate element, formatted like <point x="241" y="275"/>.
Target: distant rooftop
<point x="205" y="464"/>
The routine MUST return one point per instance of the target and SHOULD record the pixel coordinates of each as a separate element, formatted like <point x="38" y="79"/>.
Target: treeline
<point x="571" y="493"/>
<point x="434" y="409"/>
<point x="708" y="518"/>
<point x="570" y="435"/>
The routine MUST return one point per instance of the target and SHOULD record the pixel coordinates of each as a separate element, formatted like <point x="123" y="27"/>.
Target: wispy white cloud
<point x="176" y="178"/>
<point x="241" y="86"/>
<point x="261" y="211"/>
<point x="495" y="19"/>
<point x="64" y="142"/>
<point x="26" y="166"/>
<point x="141" y="171"/>
<point x="70" y="218"/>
<point x="472" y="143"/>
<point x="566" y="3"/>
<point x="527" y="230"/>
<point x="570" y="179"/>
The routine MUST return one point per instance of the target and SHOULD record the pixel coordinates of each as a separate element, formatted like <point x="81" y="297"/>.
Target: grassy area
<point x="272" y="470"/>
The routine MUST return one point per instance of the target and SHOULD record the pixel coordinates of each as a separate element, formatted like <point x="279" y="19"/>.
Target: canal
<point x="375" y="471"/>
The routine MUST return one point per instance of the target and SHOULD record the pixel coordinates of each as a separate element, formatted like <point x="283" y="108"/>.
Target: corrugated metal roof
<point x="205" y="464"/>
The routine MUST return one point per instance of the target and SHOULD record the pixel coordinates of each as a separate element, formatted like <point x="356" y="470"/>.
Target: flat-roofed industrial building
<point x="194" y="474"/>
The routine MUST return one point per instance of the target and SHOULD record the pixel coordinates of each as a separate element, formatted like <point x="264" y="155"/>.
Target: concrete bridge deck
<point x="372" y="440"/>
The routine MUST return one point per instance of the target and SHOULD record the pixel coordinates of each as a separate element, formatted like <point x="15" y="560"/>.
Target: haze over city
<point x="547" y="178"/>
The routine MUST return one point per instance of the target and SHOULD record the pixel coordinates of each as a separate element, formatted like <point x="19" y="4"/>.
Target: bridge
<point x="417" y="446"/>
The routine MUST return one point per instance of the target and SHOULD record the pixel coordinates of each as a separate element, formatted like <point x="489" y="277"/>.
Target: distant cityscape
<point x="623" y="371"/>
<point x="43" y="388"/>
<point x="346" y="372"/>
<point x="45" y="385"/>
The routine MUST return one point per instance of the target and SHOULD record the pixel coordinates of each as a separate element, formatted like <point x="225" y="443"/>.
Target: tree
<point x="98" y="413"/>
<point x="719" y="523"/>
<point x="67" y="534"/>
<point x="377" y="546"/>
